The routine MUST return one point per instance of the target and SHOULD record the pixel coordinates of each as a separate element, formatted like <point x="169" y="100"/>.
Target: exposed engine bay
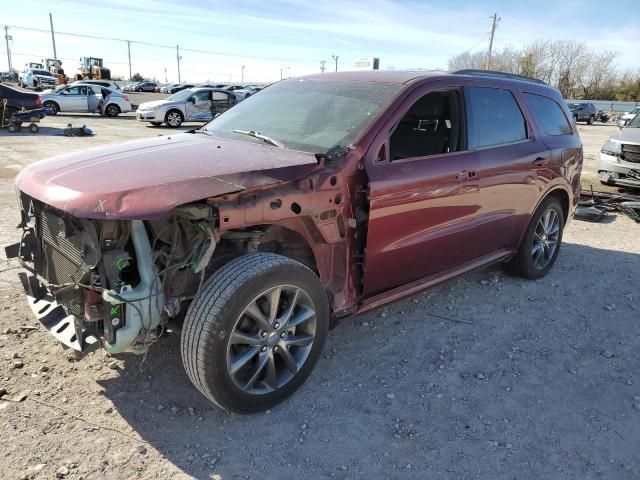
<point x="117" y="282"/>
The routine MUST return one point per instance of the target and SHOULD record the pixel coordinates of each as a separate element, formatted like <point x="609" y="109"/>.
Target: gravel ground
<point x="483" y="377"/>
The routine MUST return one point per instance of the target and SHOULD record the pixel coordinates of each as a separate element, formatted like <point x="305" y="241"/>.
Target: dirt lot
<point x="483" y="377"/>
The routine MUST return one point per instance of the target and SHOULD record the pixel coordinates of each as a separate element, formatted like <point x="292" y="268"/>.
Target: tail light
<point x="38" y="101"/>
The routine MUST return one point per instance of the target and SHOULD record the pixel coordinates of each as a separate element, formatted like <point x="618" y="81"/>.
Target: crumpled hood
<point x="154" y="104"/>
<point x="145" y="179"/>
<point x="628" y="135"/>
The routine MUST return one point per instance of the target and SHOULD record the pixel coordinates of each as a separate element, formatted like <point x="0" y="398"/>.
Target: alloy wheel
<point x="545" y="238"/>
<point x="271" y="340"/>
<point x="174" y="119"/>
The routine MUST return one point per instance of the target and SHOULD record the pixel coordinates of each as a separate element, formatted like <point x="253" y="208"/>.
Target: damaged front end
<point x="114" y="282"/>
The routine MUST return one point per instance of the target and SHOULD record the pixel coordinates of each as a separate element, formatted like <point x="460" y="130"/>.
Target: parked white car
<point x="86" y="98"/>
<point x="101" y="83"/>
<point x="626" y="117"/>
<point x="190" y="105"/>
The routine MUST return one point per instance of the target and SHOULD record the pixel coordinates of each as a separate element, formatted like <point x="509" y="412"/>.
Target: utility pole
<point x="322" y="66"/>
<point x="335" y="59"/>
<point x="178" y="57"/>
<point x="494" y="24"/>
<point x="53" y="40"/>
<point x="7" y="37"/>
<point x="242" y="75"/>
<point x="129" y="52"/>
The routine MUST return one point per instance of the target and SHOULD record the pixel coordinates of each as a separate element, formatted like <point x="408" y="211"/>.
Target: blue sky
<point x="267" y="36"/>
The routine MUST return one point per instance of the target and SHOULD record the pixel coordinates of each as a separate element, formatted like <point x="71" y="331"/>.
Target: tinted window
<point x="548" y="115"/>
<point x="430" y="127"/>
<point x="494" y="117"/>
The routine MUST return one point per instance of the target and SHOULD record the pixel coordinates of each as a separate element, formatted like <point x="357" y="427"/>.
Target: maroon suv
<point x="319" y="198"/>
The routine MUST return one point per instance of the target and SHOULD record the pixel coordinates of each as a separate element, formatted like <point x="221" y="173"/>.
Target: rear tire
<point x="112" y="110"/>
<point x="234" y="349"/>
<point x="540" y="245"/>
<point x="590" y="120"/>
<point x="53" y="106"/>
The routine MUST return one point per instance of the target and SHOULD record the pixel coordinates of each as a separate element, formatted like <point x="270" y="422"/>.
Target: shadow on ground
<point x="530" y="377"/>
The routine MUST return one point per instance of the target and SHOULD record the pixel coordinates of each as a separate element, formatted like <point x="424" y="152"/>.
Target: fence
<point x="610" y="105"/>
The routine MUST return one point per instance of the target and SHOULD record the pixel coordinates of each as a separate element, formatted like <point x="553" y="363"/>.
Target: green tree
<point x="137" y="77"/>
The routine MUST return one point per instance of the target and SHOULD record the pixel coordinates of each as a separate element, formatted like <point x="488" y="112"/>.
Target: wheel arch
<point x="558" y="191"/>
<point x="52" y="101"/>
<point x="289" y="243"/>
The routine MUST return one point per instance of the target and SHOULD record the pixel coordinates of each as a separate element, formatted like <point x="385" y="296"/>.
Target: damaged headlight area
<point x="611" y="147"/>
<point x="113" y="282"/>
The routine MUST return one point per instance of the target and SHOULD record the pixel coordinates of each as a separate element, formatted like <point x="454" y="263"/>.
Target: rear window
<point x="548" y="115"/>
<point x="494" y="117"/>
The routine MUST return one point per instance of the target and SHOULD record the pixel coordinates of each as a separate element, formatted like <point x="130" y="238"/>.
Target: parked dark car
<point x="17" y="100"/>
<point x="145" y="87"/>
<point x="179" y="87"/>
<point x="583" y="111"/>
<point x="301" y="206"/>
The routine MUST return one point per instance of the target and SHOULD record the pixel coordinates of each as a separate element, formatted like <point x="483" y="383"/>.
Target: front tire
<point x="540" y="245"/>
<point x="590" y="120"/>
<point x="254" y="333"/>
<point x="174" y="118"/>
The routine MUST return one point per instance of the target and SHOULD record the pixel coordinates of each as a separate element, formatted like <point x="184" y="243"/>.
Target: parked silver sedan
<point x="190" y="105"/>
<point x="86" y="98"/>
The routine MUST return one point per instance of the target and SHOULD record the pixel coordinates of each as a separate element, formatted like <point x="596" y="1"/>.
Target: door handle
<point x="540" y="161"/>
<point x="466" y="175"/>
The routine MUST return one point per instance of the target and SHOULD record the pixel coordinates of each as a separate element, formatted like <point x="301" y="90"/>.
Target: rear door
<point x="94" y="96"/>
<point x="424" y="192"/>
<point x="222" y="101"/>
<point x="509" y="153"/>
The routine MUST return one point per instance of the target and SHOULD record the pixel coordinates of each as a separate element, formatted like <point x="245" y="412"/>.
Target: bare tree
<point x="467" y="60"/>
<point x="568" y="65"/>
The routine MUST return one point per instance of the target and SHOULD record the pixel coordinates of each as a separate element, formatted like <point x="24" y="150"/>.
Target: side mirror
<point x="193" y="100"/>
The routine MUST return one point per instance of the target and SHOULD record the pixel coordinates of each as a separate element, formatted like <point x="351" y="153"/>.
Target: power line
<point x="159" y="45"/>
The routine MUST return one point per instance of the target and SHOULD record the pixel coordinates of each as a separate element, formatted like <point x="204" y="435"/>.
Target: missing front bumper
<point x="66" y="328"/>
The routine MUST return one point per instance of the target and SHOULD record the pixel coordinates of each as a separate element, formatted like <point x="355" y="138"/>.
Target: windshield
<point x="312" y="116"/>
<point x="634" y="122"/>
<point x="573" y="106"/>
<point x="180" y="96"/>
<point x="44" y="73"/>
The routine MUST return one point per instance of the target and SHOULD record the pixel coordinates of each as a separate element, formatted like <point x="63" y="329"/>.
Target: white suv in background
<point x="37" y="78"/>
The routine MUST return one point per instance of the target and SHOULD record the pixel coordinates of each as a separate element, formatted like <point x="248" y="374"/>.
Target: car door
<point x="222" y="101"/>
<point x="94" y="95"/>
<point x="509" y="154"/>
<point x="198" y="106"/>
<point x="424" y="192"/>
<point x="71" y="100"/>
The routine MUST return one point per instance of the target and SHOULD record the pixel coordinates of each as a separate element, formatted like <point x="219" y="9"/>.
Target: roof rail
<point x="492" y="73"/>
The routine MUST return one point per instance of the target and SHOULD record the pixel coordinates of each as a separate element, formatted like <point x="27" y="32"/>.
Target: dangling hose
<point x="4" y="108"/>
